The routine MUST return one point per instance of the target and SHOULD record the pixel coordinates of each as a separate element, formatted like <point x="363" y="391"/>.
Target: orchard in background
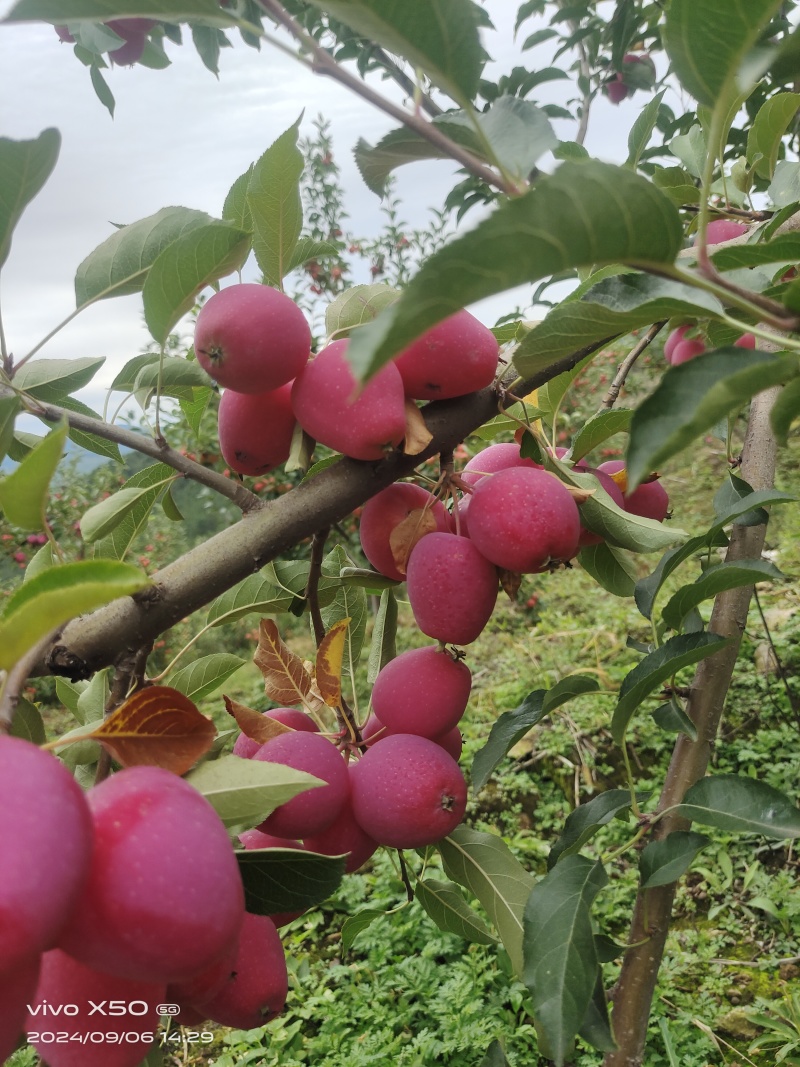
<point x="167" y="855"/>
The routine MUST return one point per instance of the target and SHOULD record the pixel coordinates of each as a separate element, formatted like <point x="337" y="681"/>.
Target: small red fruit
<point x="455" y="357"/>
<point x="251" y="338"/>
<point x="407" y="792"/>
<point x="363" y="424"/>
<point x="452" y="588"/>
<point x="256" y="429"/>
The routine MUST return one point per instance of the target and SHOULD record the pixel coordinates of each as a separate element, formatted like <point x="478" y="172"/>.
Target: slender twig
<point x="11" y="685"/>
<point x="794" y="704"/>
<point x="625" y="367"/>
<point x="404" y="876"/>
<point x="312" y="586"/>
<point x="586" y="74"/>
<point x="324" y="63"/>
<point x="149" y="446"/>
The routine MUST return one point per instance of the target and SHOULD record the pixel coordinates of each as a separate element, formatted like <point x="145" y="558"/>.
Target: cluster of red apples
<point x="133" y="33"/>
<point x="114" y="903"/>
<point x="255" y="342"/>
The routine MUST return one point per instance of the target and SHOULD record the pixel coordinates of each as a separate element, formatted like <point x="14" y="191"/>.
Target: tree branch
<point x="193" y="581"/>
<point x="624" y="368"/>
<point x="651" y="919"/>
<point x="323" y="63"/>
<point x="148" y="446"/>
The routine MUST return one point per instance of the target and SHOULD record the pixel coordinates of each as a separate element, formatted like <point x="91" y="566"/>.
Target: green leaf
<point x="383" y="647"/>
<point x="255" y="594"/>
<point x="206" y="40"/>
<point x="357" y="305"/>
<point x="245" y="792"/>
<point x="273" y="197"/>
<point x="598" y="429"/>
<point x="236" y="209"/>
<point x="586" y="213"/>
<point x="439" y="36"/>
<point x="484" y="864"/>
<point x="448" y="909"/>
<point x="610" y="567"/>
<point x="782" y="249"/>
<point x="207" y="674"/>
<point x="514" y="134"/>
<point x="785" y="411"/>
<point x="120" y="264"/>
<point x="93" y="700"/>
<point x="495" y="1056"/>
<point x="41" y="561"/>
<point x="90" y="441"/>
<point x="657" y="668"/>
<point x="596" y="1025"/>
<point x="607" y="309"/>
<point x="103" y="518"/>
<point x="51" y="380"/>
<point x="171" y="376"/>
<point x="715" y="580"/>
<point x="691" y="398"/>
<point x="560" y="955"/>
<point x="277" y="879"/>
<point x="28" y="723"/>
<point x="662" y="862"/>
<point x="23" y="494"/>
<point x="24" y="168"/>
<point x="706" y="42"/>
<point x="730" y="493"/>
<point x="102" y="89"/>
<point x="354" y="924"/>
<point x="692" y="150"/>
<point x="187" y="265"/>
<point x="129" y="525"/>
<point x="57" y="595"/>
<point x="350" y="602"/>
<point x="63" y="11"/>
<point x="784" y="190"/>
<point x="10" y="407"/>
<point x="642" y="129"/>
<point x="584" y="822"/>
<point x="194" y="409"/>
<point x="673" y="718"/>
<point x="769" y="126"/>
<point x="647" y="588"/>
<point x="741" y="805"/>
<point x="307" y="248"/>
<point x="399" y="147"/>
<point x="513" y="725"/>
<point x="620" y="528"/>
<point x="677" y="184"/>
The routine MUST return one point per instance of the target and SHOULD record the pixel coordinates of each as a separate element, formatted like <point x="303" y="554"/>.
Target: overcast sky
<point x="180" y="136"/>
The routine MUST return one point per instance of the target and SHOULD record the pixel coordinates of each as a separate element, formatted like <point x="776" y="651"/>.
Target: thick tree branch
<point x="148" y="446"/>
<point x="323" y="63"/>
<point x="189" y="583"/>
<point x="651" y="919"/>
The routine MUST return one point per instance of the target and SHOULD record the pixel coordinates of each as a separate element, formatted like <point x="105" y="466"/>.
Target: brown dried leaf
<point x="157" y="727"/>
<point x="253" y="724"/>
<point x="328" y="672"/>
<point x="405" y="535"/>
<point x="286" y="681"/>
<point x="510" y="582"/>
<point x="418" y="436"/>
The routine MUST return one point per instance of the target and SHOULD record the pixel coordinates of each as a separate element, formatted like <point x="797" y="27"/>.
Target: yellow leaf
<point x="329" y="663"/>
<point x="405" y="535"/>
<point x="418" y="436"/>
